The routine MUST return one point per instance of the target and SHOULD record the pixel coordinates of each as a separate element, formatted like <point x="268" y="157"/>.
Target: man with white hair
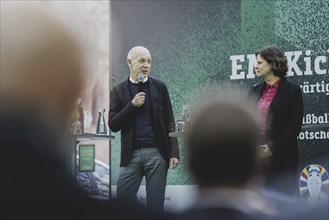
<point x="141" y="109"/>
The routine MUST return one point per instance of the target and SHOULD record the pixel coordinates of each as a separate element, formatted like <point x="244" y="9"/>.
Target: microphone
<point x="140" y="78"/>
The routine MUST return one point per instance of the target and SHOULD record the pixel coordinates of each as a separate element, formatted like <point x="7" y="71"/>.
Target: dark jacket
<point x="283" y="125"/>
<point x="122" y="118"/>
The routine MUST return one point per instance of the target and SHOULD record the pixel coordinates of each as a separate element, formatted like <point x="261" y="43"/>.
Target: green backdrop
<point x="191" y="43"/>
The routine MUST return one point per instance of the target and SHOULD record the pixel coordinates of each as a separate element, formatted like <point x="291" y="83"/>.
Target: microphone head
<point x="140" y="77"/>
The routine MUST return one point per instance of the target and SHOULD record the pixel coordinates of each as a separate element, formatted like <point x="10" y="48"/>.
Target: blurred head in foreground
<point x="40" y="79"/>
<point x="40" y="63"/>
<point x="222" y="144"/>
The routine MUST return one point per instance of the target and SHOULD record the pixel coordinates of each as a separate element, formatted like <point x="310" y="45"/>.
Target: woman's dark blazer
<point x="284" y="123"/>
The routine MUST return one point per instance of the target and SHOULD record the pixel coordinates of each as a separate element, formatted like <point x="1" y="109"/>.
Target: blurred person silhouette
<point x="222" y="145"/>
<point x="41" y="77"/>
<point x="280" y="106"/>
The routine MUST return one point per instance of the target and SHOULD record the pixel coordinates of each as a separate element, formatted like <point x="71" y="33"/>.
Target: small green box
<point x="87" y="158"/>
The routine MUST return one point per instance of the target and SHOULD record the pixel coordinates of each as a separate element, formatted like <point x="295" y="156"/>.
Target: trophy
<point x="77" y="127"/>
<point x="81" y="116"/>
<point x="101" y="125"/>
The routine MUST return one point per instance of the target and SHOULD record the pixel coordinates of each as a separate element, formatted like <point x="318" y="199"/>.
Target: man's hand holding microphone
<point x="139" y="98"/>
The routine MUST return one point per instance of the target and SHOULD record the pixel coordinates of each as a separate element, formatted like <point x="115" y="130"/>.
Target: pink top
<point x="264" y="104"/>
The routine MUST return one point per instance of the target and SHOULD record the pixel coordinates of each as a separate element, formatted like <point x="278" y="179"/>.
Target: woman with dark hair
<point x="280" y="106"/>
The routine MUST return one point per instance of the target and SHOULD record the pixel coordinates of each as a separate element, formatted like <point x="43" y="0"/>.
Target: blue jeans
<point x="146" y="162"/>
